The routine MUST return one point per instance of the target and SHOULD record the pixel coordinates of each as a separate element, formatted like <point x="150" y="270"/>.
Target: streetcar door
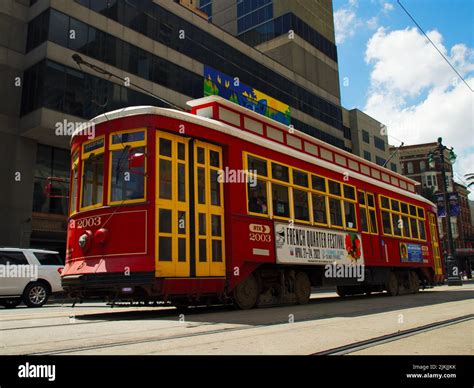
<point x="369" y="227"/>
<point x="435" y="245"/>
<point x="172" y="206"/>
<point x="208" y="210"/>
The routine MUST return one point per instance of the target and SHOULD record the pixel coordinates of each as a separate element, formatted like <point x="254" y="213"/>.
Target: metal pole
<point x="452" y="268"/>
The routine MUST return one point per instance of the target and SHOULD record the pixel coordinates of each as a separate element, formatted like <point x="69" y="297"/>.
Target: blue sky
<point x="388" y="69"/>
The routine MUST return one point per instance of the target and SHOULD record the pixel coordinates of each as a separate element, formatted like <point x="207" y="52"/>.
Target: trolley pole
<point x="452" y="267"/>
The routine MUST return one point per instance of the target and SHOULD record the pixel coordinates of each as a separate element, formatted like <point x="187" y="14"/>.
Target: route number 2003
<point x="88" y="222"/>
<point x="259" y="232"/>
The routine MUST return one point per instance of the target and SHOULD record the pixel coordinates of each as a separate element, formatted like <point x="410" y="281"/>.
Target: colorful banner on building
<point x="220" y="84"/>
<point x="308" y="245"/>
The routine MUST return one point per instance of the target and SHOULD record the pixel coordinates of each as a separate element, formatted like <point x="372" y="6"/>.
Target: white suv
<point x="28" y="275"/>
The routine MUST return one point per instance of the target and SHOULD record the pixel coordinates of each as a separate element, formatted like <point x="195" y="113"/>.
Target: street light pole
<point x="452" y="267"/>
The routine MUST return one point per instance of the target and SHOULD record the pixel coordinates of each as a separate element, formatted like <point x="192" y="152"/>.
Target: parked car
<point x="29" y="276"/>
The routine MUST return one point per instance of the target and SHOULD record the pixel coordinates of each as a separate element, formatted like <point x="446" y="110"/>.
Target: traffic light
<point x="431" y="160"/>
<point x="452" y="156"/>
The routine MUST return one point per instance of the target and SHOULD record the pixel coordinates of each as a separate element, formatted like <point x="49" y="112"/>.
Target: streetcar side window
<point x="320" y="209"/>
<point x="349" y="207"/>
<point x="92" y="173"/>
<point x="257" y="197"/>
<point x="335" y="212"/>
<point x="281" y="200"/>
<point x="127" y="182"/>
<point x="301" y="205"/>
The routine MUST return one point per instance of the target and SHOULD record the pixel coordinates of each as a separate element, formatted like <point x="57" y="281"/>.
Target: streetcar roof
<point x="253" y="138"/>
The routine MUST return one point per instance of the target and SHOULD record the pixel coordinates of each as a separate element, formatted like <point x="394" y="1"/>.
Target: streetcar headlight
<point x="100" y="236"/>
<point x="85" y="240"/>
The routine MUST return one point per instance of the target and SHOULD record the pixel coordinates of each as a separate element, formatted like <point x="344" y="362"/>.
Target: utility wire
<point x="437" y="49"/>
<point x="77" y="58"/>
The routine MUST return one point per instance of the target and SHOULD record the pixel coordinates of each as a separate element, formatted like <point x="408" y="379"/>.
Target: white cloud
<point x="418" y="96"/>
<point x="373" y="22"/>
<point x="346" y="24"/>
<point x="387" y="7"/>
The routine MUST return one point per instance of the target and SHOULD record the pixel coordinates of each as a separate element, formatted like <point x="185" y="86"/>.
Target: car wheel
<point x="36" y="295"/>
<point x="10" y="303"/>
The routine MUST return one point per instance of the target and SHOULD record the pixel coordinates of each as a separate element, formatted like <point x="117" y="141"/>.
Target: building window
<point x="393" y="167"/>
<point x="422" y="166"/>
<point x="410" y="168"/>
<point x="206" y="6"/>
<point x="380" y="161"/>
<point x="51" y="163"/>
<point x="365" y="136"/>
<point x="367" y="156"/>
<point x="379" y="143"/>
<point x="251" y="13"/>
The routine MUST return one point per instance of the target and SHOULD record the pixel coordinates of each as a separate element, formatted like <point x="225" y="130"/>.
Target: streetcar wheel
<point x="36" y="295"/>
<point x="414" y="282"/>
<point x="392" y="284"/>
<point x="302" y="288"/>
<point x="10" y="303"/>
<point x="246" y="293"/>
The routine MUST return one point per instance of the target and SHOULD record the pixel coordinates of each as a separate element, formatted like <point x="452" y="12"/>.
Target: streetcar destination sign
<point x="296" y="244"/>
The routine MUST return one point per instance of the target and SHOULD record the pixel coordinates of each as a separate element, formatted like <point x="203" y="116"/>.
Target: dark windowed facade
<point x="281" y="25"/>
<point x="393" y="167"/>
<point x="51" y="162"/>
<point x="365" y="136"/>
<point x="164" y="26"/>
<point x="367" y="156"/>
<point x="109" y="49"/>
<point x="51" y="85"/>
<point x="251" y="13"/>
<point x="379" y="143"/>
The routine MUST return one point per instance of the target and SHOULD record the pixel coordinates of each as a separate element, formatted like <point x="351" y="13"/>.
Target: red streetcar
<point x="225" y="205"/>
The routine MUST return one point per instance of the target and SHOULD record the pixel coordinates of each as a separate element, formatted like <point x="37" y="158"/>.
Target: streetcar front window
<point x="127" y="183"/>
<point x="127" y="178"/>
<point x="92" y="180"/>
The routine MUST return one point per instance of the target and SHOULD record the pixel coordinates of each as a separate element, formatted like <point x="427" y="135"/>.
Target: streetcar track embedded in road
<point x="360" y="345"/>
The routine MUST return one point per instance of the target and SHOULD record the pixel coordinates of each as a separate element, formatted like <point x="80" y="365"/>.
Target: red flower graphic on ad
<point x="353" y="246"/>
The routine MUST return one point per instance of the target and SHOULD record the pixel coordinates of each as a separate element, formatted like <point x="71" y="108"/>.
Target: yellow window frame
<point x="121" y="146"/>
<point x="269" y="180"/>
<point x="401" y="214"/>
<point x="368" y="209"/>
<point x="74" y="165"/>
<point x="84" y="157"/>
